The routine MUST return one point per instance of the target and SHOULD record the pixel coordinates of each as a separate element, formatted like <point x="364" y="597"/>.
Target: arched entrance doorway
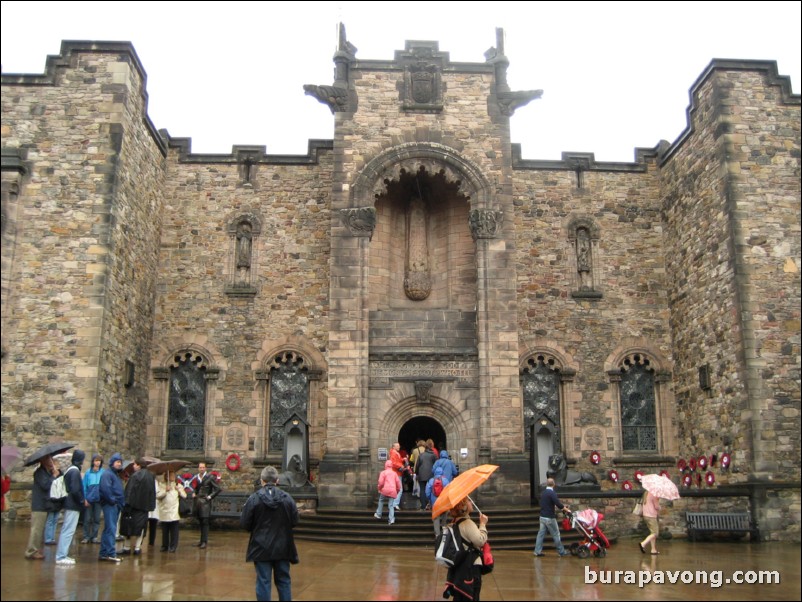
<point x="422" y="427"/>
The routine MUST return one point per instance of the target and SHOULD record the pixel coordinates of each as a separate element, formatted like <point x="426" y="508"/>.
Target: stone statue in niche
<point x="584" y="262"/>
<point x="417" y="277"/>
<point x="243" y="250"/>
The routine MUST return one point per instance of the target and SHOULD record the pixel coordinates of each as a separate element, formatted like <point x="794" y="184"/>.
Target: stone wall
<point x="120" y="253"/>
<point x="731" y="194"/>
<point x="237" y="329"/>
<point x="79" y="303"/>
<point x="583" y="332"/>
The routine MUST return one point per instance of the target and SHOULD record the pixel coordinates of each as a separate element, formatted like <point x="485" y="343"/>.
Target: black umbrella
<point x="50" y="449"/>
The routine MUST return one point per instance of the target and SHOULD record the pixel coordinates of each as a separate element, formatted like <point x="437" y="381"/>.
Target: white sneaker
<point x="66" y="561"/>
<point x="377" y="515"/>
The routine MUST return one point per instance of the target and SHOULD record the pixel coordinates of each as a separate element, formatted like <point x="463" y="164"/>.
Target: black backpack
<point x="448" y="549"/>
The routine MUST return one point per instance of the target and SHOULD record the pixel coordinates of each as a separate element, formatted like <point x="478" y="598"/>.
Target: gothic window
<point x="289" y="394"/>
<point x="637" y="396"/>
<point x="540" y="381"/>
<point x="187" y="402"/>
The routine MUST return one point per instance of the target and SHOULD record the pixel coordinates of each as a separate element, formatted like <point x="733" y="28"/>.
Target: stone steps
<point x="509" y="528"/>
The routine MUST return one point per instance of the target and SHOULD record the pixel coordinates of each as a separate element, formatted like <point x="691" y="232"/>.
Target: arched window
<point x="289" y="394"/>
<point x="540" y="381"/>
<point x="186" y="415"/>
<point x="637" y="397"/>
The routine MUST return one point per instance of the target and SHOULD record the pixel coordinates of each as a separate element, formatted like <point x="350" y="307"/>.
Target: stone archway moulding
<point x="299" y="344"/>
<point x="438" y="409"/>
<point x="411" y="157"/>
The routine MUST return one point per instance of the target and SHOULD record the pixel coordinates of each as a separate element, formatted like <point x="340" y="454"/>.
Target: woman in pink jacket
<point x="651" y="510"/>
<point x="389" y="485"/>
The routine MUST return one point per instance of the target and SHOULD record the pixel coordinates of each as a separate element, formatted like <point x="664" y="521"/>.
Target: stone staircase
<point x="509" y="528"/>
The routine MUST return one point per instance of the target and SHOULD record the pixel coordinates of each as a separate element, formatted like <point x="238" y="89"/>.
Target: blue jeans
<point x="92" y="520"/>
<point x="108" y="542"/>
<point x="50" y="526"/>
<point x="67" y="531"/>
<point x="390" y="505"/>
<point x="281" y="570"/>
<point x="550" y="525"/>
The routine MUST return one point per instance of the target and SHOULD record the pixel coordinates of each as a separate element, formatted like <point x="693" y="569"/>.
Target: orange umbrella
<point x="461" y="487"/>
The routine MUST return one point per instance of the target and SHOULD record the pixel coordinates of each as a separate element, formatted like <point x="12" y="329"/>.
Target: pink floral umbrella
<point x="660" y="486"/>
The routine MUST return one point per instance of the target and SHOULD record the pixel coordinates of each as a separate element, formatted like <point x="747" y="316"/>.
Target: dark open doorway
<point x="422" y="427"/>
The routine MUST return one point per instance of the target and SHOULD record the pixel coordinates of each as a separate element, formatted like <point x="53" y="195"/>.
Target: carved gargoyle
<point x="334" y="96"/>
<point x="509" y="101"/>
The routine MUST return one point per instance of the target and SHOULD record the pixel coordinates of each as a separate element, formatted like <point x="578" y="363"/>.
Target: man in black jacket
<point x="140" y="499"/>
<point x="270" y="515"/>
<point x="206" y="489"/>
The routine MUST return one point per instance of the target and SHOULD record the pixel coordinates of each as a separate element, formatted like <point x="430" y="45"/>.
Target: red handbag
<point x="487" y="558"/>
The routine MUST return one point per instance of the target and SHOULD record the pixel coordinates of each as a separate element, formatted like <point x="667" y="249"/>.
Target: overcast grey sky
<point x="615" y="75"/>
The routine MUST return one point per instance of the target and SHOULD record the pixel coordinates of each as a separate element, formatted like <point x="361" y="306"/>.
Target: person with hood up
<point x="433" y="491"/>
<point x="112" y="499"/>
<point x="73" y="506"/>
<point x="449" y="468"/>
<point x="389" y="485"/>
<point x="93" y="509"/>
<point x="270" y="515"/>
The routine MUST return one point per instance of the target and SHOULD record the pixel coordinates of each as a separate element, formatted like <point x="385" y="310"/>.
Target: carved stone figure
<point x="417" y="279"/>
<point x="244" y="244"/>
<point x="584" y="262"/>
<point x="334" y="96"/>
<point x="360" y="221"/>
<point x="484" y="223"/>
<point x="295" y="477"/>
<point x="558" y="470"/>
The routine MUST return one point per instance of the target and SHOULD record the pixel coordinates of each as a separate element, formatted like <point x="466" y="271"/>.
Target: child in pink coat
<point x="389" y="485"/>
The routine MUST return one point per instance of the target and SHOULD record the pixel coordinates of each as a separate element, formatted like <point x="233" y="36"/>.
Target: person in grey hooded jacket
<point x="270" y="515"/>
<point x="73" y="506"/>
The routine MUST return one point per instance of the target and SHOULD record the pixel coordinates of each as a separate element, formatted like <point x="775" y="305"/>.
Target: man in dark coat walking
<point x="206" y="489"/>
<point x="140" y="499"/>
<point x="270" y="515"/>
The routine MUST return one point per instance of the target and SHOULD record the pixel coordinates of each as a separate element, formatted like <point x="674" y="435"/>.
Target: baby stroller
<point x="586" y="522"/>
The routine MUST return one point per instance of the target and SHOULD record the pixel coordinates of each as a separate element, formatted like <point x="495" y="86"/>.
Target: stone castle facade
<point x="414" y="276"/>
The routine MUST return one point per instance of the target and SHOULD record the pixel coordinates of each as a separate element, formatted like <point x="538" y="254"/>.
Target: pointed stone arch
<point x="211" y="367"/>
<point x="453" y="421"/>
<point x="435" y="159"/>
<point x="638" y="353"/>
<point x="299" y="351"/>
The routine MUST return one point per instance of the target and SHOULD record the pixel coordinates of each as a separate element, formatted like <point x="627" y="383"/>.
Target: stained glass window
<point x="187" y="405"/>
<point x="289" y="394"/>
<point x="638" y="416"/>
<point x="540" y="381"/>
